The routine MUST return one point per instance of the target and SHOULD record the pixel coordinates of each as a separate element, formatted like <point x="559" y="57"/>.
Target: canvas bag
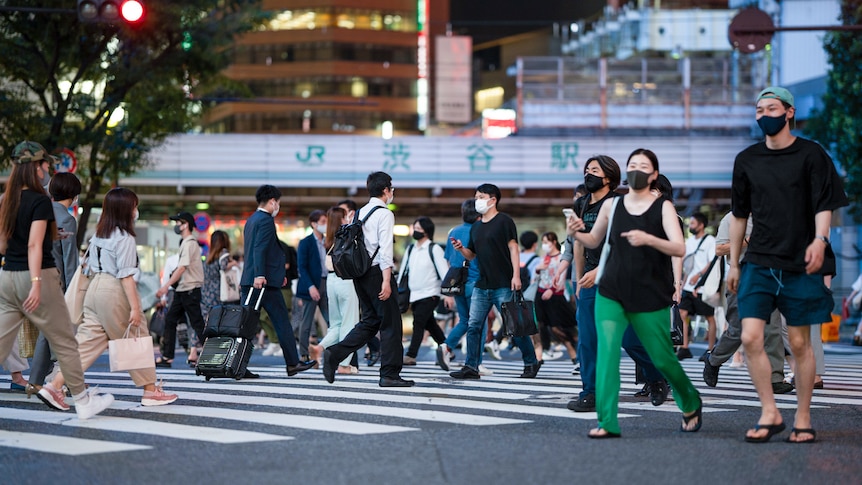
<point x="606" y="249"/>
<point x="688" y="260"/>
<point x="131" y="353"/>
<point x="77" y="290"/>
<point x="350" y="259"/>
<point x="228" y="283"/>
<point x="709" y="286"/>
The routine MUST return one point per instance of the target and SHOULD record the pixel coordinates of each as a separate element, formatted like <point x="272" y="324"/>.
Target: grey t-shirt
<point x="65" y="249"/>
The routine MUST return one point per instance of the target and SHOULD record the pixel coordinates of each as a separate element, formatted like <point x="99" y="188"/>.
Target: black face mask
<point x="593" y="182"/>
<point x="637" y="180"/>
<point x="178" y="229"/>
<point x="772" y="125"/>
<point x="417" y="235"/>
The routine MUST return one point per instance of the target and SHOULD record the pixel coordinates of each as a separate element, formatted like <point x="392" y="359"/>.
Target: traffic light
<point x="110" y="11"/>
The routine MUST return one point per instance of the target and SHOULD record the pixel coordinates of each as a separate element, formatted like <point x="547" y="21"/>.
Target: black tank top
<point x="640" y="278"/>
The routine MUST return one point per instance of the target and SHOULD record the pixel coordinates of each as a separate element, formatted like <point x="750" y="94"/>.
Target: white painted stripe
<point x="668" y="407"/>
<point x="339" y="396"/>
<point x="143" y="426"/>
<point x="335" y="407"/>
<point x="62" y="445"/>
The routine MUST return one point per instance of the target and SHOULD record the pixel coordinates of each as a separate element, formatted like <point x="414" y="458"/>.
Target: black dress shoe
<point x="329" y="366"/>
<point x="531" y="370"/>
<point x="250" y="375"/>
<point x="658" y="392"/>
<point x="302" y="366"/>
<point x="395" y="382"/>
<point x="465" y="373"/>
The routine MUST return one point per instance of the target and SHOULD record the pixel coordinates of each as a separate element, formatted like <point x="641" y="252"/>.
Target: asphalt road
<point x="500" y="429"/>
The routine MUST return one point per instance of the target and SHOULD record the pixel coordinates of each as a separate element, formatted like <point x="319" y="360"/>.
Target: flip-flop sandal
<point x="607" y="434"/>
<point x="798" y="431"/>
<point x="771" y="430"/>
<point x="687" y="419"/>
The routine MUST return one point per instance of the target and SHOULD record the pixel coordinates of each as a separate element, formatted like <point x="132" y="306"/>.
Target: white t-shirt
<point x="702" y="256"/>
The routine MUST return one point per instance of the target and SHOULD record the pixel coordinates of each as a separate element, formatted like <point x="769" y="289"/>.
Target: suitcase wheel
<point x="208" y="378"/>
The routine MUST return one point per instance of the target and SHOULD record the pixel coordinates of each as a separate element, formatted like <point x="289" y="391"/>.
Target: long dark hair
<point x="219" y="241"/>
<point x="118" y="212"/>
<point x="22" y="175"/>
<point x="332" y="215"/>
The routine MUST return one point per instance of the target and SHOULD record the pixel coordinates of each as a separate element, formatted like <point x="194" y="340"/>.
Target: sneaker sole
<point x="51" y="403"/>
<point x="157" y="402"/>
<point x="440" y="360"/>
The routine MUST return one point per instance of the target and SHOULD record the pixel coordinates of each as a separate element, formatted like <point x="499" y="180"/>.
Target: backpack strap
<point x="431" y="254"/>
<point x="362" y="223"/>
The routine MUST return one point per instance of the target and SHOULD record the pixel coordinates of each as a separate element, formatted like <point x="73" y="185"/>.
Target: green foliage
<point x="60" y="80"/>
<point x="838" y="126"/>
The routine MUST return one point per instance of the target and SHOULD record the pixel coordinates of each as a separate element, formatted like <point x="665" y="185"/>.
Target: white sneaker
<point x="270" y="349"/>
<point x="493" y="348"/>
<point x="464" y="345"/>
<point x="279" y="352"/>
<point x="554" y="355"/>
<point x="96" y="403"/>
<point x="484" y="371"/>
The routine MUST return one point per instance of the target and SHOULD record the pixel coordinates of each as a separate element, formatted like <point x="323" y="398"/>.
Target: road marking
<point x="63" y="445"/>
<point x="142" y="426"/>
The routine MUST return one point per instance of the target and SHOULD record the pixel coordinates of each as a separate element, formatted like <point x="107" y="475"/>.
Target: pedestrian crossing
<point x="277" y="408"/>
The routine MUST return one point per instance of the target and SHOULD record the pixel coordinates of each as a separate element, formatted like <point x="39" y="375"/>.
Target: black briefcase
<point x="235" y="320"/>
<point x="519" y="316"/>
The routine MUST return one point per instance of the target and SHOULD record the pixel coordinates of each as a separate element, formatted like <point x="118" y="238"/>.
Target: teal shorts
<point x="802" y="298"/>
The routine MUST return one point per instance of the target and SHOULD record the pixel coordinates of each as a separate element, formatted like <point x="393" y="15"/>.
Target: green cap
<point x="776" y="92"/>
<point x="30" y="151"/>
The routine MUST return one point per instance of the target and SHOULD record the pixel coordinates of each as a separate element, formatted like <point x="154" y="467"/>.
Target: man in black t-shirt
<point x="789" y="186"/>
<point x="494" y="241"/>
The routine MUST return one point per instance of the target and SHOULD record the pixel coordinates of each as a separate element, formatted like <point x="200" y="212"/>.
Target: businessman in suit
<point x="264" y="267"/>
<point x="311" y="287"/>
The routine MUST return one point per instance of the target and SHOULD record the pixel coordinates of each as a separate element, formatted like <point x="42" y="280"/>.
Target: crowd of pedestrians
<point x="625" y="262"/>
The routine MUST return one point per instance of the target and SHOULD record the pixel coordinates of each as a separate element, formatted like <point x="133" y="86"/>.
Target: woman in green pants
<point x="637" y="287"/>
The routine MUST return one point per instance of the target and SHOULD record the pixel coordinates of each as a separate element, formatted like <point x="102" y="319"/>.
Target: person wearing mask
<point x="189" y="278"/>
<point x="445" y="354"/>
<point x="376" y="290"/>
<point x="64" y="189"/>
<point x="699" y="252"/>
<point x="424" y="266"/>
<point x="112" y="303"/>
<point x="792" y="211"/>
<point x="494" y="242"/>
<point x="601" y="178"/>
<point x="311" y="287"/>
<point x="553" y="310"/>
<point x="263" y="269"/>
<point x="644" y="236"/>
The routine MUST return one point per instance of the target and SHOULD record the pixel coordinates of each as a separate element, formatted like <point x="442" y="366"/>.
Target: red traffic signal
<point x="110" y="11"/>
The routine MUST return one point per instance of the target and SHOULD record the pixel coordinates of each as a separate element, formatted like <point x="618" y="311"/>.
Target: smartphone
<point x="568" y="212"/>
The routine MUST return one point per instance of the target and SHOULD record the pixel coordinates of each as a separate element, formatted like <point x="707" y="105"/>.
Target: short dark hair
<point x="701" y="218"/>
<point x="350" y="203"/>
<point x="491" y="190"/>
<point x="315" y="215"/>
<point x="663" y="185"/>
<point x="469" y="214"/>
<point x="117" y="212"/>
<point x="266" y="192"/>
<point x="528" y="239"/>
<point x="610" y="167"/>
<point x="427" y="225"/>
<point x="64" y="185"/>
<point x="377" y="182"/>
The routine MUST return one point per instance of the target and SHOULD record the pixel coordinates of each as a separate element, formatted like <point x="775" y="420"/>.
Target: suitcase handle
<point x="259" y="298"/>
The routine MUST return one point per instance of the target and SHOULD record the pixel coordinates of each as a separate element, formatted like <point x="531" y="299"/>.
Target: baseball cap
<point x="776" y="92"/>
<point x="30" y="151"/>
<point x="185" y="217"/>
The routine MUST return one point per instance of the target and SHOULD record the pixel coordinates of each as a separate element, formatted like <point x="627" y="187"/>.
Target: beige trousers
<point x="106" y="317"/>
<point x="51" y="318"/>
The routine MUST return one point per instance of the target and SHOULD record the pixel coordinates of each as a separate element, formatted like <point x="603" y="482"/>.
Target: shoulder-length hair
<point x="118" y="212"/>
<point x="219" y="241"/>
<point x="22" y="175"/>
<point x="333" y="215"/>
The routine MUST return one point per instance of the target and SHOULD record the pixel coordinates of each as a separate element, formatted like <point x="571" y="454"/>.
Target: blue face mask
<point x="772" y="125"/>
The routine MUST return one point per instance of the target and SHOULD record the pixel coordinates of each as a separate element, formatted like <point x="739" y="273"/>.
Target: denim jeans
<point x="587" y="343"/>
<point x="462" y="303"/>
<point x="480" y="304"/>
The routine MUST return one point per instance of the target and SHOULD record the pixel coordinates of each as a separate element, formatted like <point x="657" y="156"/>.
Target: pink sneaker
<point x="157" y="397"/>
<point x="53" y="398"/>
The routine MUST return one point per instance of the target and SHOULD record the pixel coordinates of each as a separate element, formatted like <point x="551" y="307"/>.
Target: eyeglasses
<point x="391" y="188"/>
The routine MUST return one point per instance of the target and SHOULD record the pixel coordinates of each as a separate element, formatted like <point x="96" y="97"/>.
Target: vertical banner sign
<point x="452" y="68"/>
<point x="422" y="63"/>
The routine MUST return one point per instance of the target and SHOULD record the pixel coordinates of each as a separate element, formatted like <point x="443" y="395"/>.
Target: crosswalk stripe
<point x="63" y="445"/>
<point x="141" y="426"/>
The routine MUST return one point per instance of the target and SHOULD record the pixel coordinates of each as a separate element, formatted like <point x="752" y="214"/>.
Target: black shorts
<point x="694" y="305"/>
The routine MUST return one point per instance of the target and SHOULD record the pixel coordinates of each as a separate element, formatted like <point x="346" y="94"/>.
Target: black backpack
<point x="350" y="259"/>
<point x="526" y="277"/>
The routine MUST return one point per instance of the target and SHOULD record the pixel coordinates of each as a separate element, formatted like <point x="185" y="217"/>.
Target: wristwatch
<point x="824" y="239"/>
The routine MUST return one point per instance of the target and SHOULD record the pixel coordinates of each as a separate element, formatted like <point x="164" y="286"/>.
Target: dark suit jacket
<point x="263" y="255"/>
<point x="309" y="264"/>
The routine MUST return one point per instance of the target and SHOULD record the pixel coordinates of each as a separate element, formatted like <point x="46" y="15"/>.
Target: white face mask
<point x="275" y="212"/>
<point x="136" y="215"/>
<point x="321" y="228"/>
<point x="546" y="247"/>
<point x="482" y="205"/>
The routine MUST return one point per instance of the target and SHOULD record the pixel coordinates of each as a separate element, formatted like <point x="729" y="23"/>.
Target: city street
<point x="500" y="429"/>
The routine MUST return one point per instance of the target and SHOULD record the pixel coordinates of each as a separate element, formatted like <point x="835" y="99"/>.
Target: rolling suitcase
<point x="235" y="320"/>
<point x="224" y="357"/>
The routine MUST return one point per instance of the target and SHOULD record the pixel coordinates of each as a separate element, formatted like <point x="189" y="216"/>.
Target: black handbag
<point x="454" y="281"/>
<point x="404" y="292"/>
<point x="675" y="325"/>
<point x="519" y="316"/>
